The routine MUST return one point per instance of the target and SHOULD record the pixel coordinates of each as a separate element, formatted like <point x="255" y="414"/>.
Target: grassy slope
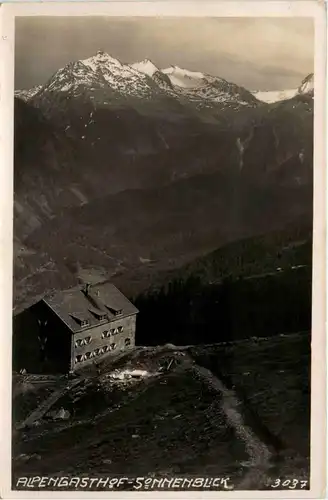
<point x="249" y="256"/>
<point x="177" y="420"/>
<point x="273" y="377"/>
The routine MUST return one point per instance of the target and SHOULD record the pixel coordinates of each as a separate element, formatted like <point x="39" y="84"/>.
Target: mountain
<point x="200" y="86"/>
<point x="141" y="80"/>
<point x="99" y="71"/>
<point x="258" y="256"/>
<point x="43" y="157"/>
<point x="146" y="66"/>
<point x="26" y="95"/>
<point x="139" y="106"/>
<point x="124" y="165"/>
<point x="307" y="85"/>
<point x="271" y="96"/>
<point x="139" y="174"/>
<point x="144" y="79"/>
<point x="87" y="102"/>
<point x="184" y="78"/>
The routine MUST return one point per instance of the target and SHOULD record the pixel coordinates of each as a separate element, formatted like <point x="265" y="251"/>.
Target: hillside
<point x="134" y="165"/>
<point x="285" y="249"/>
<point x="151" y="425"/>
<point x="139" y="232"/>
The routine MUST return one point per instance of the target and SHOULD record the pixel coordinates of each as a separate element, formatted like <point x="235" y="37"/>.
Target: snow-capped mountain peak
<point x="120" y="77"/>
<point x="146" y="66"/>
<point x="183" y="77"/>
<point x="142" y="80"/>
<point x="99" y="71"/>
<point x="271" y="96"/>
<point x="71" y="76"/>
<point x="99" y="60"/>
<point x="307" y="85"/>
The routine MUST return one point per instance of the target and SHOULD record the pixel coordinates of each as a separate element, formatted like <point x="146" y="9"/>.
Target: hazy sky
<point x="258" y="53"/>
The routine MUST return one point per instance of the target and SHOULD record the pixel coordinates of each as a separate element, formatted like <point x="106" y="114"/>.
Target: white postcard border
<point x="315" y="9"/>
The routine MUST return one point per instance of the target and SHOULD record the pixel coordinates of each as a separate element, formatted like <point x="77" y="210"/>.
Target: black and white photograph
<point x="162" y="310"/>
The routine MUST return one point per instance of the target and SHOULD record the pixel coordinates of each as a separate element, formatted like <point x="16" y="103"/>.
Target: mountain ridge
<point x="172" y="79"/>
<point x="272" y="96"/>
<point x="137" y="80"/>
<point x="220" y="170"/>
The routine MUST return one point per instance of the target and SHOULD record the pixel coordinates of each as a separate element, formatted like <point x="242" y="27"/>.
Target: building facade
<point x="76" y="327"/>
<point x="91" y="344"/>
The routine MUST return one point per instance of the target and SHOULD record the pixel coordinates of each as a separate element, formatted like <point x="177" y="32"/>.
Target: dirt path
<point x="259" y="454"/>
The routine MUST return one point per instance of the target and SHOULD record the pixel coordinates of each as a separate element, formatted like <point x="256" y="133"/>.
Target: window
<point x="115" y="331"/>
<point x="79" y="358"/>
<point x="105" y="334"/>
<point x="88" y="355"/>
<point x="98" y="313"/>
<point x="127" y="342"/>
<point x="113" y="346"/>
<point x="80" y="320"/>
<point x="80" y="342"/>
<point x="115" y="312"/>
<point x="106" y="348"/>
<point x="96" y="352"/>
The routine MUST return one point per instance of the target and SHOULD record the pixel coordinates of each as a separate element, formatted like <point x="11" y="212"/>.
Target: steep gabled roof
<point x="80" y="304"/>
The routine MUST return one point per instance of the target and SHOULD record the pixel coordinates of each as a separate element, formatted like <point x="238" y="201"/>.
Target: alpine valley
<point x="123" y="170"/>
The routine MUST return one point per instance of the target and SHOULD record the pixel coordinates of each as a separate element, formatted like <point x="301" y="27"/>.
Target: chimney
<point x="87" y="288"/>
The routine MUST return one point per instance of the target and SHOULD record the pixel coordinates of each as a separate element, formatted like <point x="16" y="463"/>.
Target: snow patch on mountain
<point x="146" y="66"/>
<point x="271" y="96"/>
<point x="183" y="77"/>
<point x="205" y="89"/>
<point x="66" y="87"/>
<point x="100" y="60"/>
<point x="26" y="95"/>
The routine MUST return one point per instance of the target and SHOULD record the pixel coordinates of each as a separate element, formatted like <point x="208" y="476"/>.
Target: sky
<point x="257" y="53"/>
